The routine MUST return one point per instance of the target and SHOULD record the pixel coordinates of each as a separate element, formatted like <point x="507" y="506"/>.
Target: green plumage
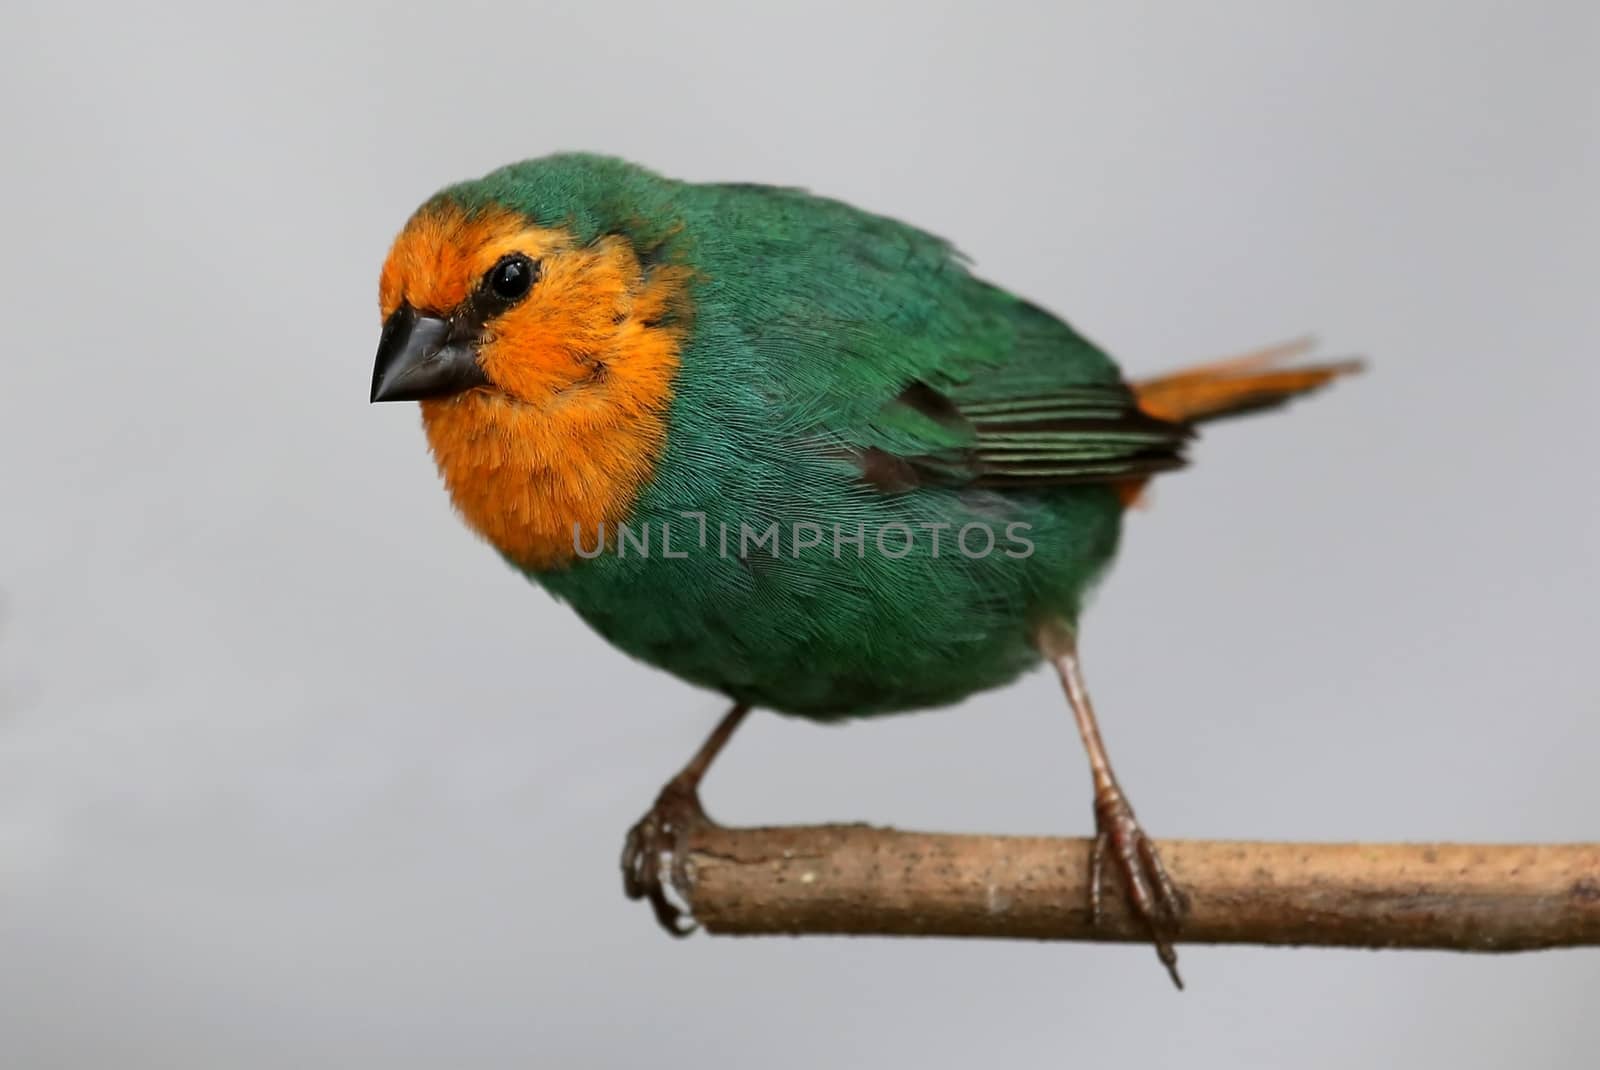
<point x="846" y="371"/>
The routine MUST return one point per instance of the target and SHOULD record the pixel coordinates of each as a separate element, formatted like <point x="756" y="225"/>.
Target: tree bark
<point x="856" y="879"/>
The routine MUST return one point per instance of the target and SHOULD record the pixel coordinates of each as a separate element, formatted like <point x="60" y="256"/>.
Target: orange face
<point x="569" y="327"/>
<point x="563" y="416"/>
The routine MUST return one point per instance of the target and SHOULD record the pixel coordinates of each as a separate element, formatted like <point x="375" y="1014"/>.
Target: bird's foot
<point x="1151" y="894"/>
<point x="660" y="835"/>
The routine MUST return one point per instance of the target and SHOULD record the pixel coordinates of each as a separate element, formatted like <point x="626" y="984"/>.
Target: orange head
<point x="544" y="366"/>
<point x="488" y="300"/>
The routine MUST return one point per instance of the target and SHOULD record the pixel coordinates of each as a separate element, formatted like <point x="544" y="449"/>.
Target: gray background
<point x="293" y="773"/>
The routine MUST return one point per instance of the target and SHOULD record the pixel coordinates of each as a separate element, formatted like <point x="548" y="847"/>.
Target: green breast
<point x="832" y="630"/>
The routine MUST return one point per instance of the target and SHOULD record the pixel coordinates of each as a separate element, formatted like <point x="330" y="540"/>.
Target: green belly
<point x="834" y="631"/>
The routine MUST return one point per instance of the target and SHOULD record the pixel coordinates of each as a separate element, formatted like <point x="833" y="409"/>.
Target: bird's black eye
<point x="512" y="278"/>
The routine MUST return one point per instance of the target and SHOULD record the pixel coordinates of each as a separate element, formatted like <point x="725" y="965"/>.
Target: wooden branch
<point x="855" y="879"/>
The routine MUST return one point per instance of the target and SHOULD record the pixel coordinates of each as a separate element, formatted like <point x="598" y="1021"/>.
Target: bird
<point x="787" y="450"/>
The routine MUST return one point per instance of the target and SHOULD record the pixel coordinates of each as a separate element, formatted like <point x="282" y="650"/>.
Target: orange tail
<point x="1231" y="387"/>
<point x="1239" y="385"/>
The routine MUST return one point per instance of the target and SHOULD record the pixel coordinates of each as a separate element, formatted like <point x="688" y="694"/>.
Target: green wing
<point x="1027" y="417"/>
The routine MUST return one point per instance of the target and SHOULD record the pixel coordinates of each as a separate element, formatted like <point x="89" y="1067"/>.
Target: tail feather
<point x="1236" y="386"/>
<point x="1232" y="387"/>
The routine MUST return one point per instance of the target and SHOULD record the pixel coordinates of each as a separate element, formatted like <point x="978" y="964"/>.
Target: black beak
<point x="418" y="359"/>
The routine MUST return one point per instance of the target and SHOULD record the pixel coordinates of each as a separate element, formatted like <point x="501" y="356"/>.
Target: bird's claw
<point x="1151" y="894"/>
<point x="661" y="833"/>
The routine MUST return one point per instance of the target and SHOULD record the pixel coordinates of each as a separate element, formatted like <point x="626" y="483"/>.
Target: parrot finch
<point x="874" y="481"/>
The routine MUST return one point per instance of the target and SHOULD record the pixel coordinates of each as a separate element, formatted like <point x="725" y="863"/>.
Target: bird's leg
<point x="661" y="831"/>
<point x="1153" y="897"/>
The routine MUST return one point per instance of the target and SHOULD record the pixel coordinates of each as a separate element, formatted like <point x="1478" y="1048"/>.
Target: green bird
<point x="785" y="449"/>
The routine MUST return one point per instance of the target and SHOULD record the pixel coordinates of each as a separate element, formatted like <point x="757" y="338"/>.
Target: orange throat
<point x="523" y="476"/>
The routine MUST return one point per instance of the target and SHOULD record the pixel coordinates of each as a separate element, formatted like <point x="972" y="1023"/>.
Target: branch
<point x="855" y="879"/>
